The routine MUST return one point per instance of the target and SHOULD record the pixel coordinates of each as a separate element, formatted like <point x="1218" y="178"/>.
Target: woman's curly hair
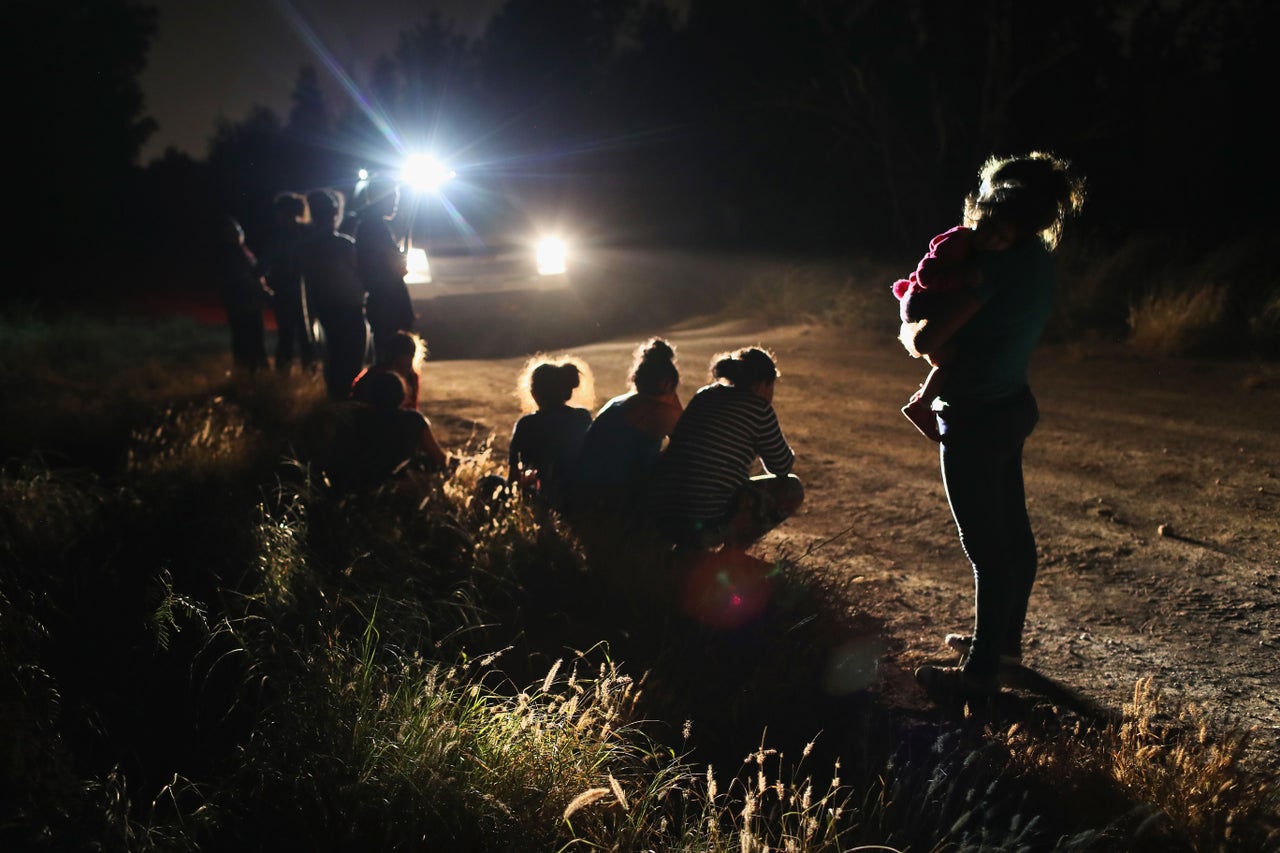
<point x="1036" y="192"/>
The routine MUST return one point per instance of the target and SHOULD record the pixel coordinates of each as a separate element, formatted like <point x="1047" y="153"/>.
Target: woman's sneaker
<point x="953" y="681"/>
<point x="963" y="643"/>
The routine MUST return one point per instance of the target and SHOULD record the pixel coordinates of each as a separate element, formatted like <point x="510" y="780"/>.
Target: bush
<point x="1179" y="321"/>
<point x="205" y="648"/>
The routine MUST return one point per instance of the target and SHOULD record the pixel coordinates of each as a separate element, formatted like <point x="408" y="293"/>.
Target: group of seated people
<point x="643" y="459"/>
<point x="685" y="472"/>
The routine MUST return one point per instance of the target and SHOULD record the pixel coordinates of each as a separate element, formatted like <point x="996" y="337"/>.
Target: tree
<point x="81" y="113"/>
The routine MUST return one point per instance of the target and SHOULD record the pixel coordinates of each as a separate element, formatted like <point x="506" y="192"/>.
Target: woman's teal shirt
<point x="993" y="350"/>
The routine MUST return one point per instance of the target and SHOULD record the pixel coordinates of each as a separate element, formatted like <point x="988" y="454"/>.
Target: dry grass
<point x="1178" y="321"/>
<point x="853" y="295"/>
<point x="1186" y="772"/>
<point x="1169" y="758"/>
<point x="318" y="626"/>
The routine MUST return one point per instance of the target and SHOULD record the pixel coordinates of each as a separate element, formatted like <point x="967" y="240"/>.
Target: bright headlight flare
<point x="424" y="172"/>
<point x="551" y="256"/>
<point x="419" y="268"/>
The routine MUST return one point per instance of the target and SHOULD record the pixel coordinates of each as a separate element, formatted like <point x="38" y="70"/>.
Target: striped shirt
<point x="721" y="433"/>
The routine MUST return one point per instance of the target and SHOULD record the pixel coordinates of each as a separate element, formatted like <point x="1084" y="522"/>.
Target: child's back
<point x="948" y="266"/>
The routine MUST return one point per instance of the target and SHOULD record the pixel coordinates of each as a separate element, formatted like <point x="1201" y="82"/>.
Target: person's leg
<point x="982" y="473"/>
<point x="306" y="340"/>
<point x="258" y="339"/>
<point x="976" y="502"/>
<point x="248" y="339"/>
<point x="764" y="503"/>
<point x="235" y="323"/>
<point x="1020" y="537"/>
<point x="345" y="341"/>
<point x="286" y="331"/>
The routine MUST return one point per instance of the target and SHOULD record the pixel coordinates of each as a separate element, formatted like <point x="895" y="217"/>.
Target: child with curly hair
<point x="546" y="441"/>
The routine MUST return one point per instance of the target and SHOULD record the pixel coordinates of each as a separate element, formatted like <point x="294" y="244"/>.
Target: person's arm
<point x="432" y="448"/>
<point x="513" y="456"/>
<point x="671" y="411"/>
<point x="922" y="337"/>
<point x="772" y="447"/>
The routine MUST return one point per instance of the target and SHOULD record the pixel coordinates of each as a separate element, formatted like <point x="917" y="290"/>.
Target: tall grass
<point x="206" y="647"/>
<point x="851" y="294"/>
<point x="1187" y="774"/>
<point x="1165" y="322"/>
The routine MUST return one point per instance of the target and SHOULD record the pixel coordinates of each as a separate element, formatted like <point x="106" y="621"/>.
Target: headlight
<point x="551" y="256"/>
<point x="419" y="269"/>
<point x="424" y="172"/>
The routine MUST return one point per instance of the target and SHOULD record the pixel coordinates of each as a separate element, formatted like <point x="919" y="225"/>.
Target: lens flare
<point x="424" y="172"/>
<point x="727" y="588"/>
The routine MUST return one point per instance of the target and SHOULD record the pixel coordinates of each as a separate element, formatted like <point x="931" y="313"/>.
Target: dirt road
<point x="1154" y="489"/>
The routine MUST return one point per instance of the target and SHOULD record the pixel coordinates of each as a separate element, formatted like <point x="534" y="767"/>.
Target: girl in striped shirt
<point x="702" y="494"/>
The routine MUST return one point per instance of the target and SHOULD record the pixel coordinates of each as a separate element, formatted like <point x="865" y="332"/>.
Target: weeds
<point x="1177" y="321"/>
<point x="205" y="647"/>
<point x="846" y="294"/>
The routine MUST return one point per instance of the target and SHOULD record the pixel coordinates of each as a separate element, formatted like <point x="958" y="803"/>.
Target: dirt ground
<point x="1154" y="490"/>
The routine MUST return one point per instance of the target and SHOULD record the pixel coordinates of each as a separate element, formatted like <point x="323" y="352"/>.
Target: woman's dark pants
<point x="982" y="471"/>
<point x="248" y="338"/>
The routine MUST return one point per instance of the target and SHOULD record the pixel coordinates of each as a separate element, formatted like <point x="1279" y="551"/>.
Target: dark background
<point x="779" y="125"/>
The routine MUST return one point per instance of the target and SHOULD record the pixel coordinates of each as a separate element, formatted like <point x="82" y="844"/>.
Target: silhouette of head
<point x="554" y="383"/>
<point x="547" y="381"/>
<point x="403" y="345"/>
<point x="289" y="207"/>
<point x="383" y="390"/>
<point x="745" y="367"/>
<point x="654" y="370"/>
<point x="1034" y="193"/>
<point x="326" y="207"/>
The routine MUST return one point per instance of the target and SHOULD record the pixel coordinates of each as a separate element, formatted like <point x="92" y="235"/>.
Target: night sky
<point x="220" y="58"/>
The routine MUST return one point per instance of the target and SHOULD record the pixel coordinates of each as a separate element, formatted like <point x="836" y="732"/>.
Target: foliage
<point x="1169" y="322"/>
<point x="206" y="647"/>
<point x="767" y="124"/>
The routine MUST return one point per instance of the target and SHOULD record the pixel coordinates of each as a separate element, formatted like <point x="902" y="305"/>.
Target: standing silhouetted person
<point x="382" y="266"/>
<point x="334" y="292"/>
<point x="283" y="270"/>
<point x="985" y="410"/>
<point x="244" y="295"/>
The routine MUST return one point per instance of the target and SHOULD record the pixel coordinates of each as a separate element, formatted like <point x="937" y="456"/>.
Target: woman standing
<point x="986" y="410"/>
<point x="702" y="495"/>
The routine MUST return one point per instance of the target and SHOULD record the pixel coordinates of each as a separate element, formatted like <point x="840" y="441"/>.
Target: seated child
<point x="403" y="356"/>
<point x="545" y="443"/>
<point x="378" y="440"/>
